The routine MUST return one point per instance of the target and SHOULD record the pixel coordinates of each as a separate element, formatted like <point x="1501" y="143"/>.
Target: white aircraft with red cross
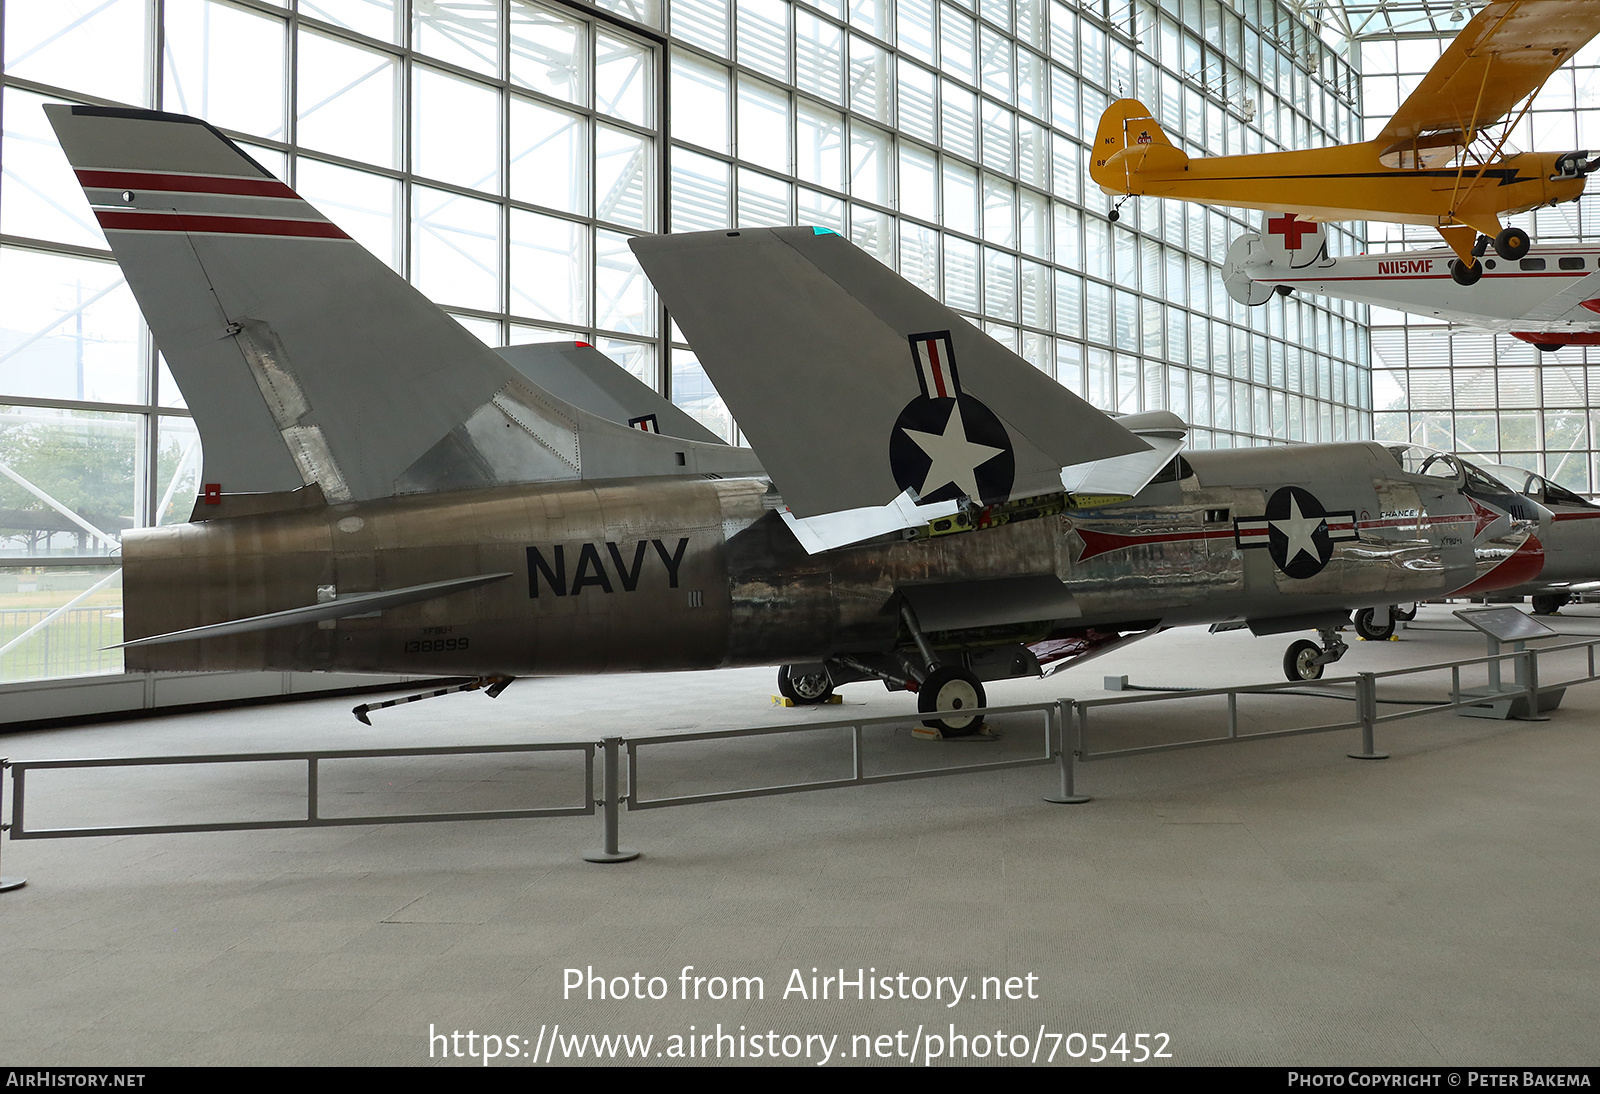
<point x="1550" y="297"/>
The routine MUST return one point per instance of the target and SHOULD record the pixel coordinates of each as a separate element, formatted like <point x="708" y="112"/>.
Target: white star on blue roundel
<point x="947" y="445"/>
<point x="1297" y="531"/>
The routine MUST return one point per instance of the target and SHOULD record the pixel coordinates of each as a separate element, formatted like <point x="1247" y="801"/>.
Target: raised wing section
<point x="855" y="386"/>
<point x="305" y="360"/>
<point x="1504" y="54"/>
<point x="1162" y="430"/>
<point x="589" y="380"/>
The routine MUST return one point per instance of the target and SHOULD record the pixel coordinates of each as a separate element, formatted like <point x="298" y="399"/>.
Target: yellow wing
<point x="1503" y="55"/>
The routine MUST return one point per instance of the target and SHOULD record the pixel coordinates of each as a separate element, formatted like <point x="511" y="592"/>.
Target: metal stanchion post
<point x="1060" y="716"/>
<point x="1367" y="711"/>
<point x="6" y="883"/>
<point x="610" y="799"/>
<point x="1530" y="674"/>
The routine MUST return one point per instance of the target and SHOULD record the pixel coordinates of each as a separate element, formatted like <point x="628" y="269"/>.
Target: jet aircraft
<point x="1569" y="528"/>
<point x="383" y="493"/>
<point x="1440" y="161"/>
<point x="1550" y="297"/>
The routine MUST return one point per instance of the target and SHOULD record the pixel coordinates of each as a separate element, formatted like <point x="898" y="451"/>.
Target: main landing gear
<point x="1549" y="603"/>
<point x="1375" y="624"/>
<point x="1304" y="660"/>
<point x="805" y="685"/>
<point x="951" y="688"/>
<point x="1511" y="244"/>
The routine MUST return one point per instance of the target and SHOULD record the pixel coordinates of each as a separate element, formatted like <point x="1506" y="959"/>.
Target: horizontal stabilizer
<point x="355" y="604"/>
<point x="1247" y="256"/>
<point x="855" y="386"/>
<point x="963" y="605"/>
<point x="589" y="380"/>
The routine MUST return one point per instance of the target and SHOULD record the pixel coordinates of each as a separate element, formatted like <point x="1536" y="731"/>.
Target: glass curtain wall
<point x="1490" y="396"/>
<point x="499" y="153"/>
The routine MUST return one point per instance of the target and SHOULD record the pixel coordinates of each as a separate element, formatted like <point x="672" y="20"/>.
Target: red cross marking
<point x="1290" y="229"/>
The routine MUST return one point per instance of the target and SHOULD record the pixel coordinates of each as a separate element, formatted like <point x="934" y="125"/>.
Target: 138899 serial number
<point x="436" y="645"/>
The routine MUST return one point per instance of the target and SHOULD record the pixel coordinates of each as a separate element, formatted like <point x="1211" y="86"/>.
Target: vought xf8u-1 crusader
<point x="382" y="493"/>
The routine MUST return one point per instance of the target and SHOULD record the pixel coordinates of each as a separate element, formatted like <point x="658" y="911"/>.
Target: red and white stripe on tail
<point x="128" y="200"/>
<point x="935" y="359"/>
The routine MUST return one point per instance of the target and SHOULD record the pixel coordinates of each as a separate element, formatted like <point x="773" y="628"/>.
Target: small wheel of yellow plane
<point x="1442" y="160"/>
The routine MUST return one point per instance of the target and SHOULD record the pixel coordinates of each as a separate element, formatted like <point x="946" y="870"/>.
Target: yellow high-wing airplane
<point x="1440" y="160"/>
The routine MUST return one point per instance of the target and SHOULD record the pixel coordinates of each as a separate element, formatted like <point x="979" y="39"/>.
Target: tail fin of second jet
<point x="855" y="386"/>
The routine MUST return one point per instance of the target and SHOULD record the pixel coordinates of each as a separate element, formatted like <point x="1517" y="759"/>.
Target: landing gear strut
<point x="944" y="687"/>
<point x="1304" y="660"/>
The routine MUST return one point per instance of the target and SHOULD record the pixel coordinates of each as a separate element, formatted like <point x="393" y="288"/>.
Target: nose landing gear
<point x="1304" y="660"/>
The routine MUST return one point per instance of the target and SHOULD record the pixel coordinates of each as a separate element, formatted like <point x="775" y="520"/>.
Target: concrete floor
<point x="1271" y="903"/>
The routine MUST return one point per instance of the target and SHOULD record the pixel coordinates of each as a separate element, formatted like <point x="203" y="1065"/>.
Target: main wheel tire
<point x="804" y="689"/>
<point x="1463" y="274"/>
<point x="1512" y="244"/>
<point x="1404" y="616"/>
<point x="1299" y="662"/>
<point x="1369" y="630"/>
<point x="1549" y="603"/>
<point x="951" y="689"/>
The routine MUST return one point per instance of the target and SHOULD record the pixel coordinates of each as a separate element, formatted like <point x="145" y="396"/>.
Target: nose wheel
<point x="1304" y="660"/>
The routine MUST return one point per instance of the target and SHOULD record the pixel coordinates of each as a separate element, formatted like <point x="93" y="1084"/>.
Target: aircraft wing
<point x="1498" y="59"/>
<point x="854" y="386"/>
<point x="1570" y="303"/>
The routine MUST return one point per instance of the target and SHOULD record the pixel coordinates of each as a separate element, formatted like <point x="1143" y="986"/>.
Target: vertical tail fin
<point x="1130" y="142"/>
<point x="304" y="359"/>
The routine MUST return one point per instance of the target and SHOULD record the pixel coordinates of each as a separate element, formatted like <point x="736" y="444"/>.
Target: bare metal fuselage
<point x="653" y="574"/>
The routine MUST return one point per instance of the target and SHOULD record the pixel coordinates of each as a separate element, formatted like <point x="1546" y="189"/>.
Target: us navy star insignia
<point x="946" y="444"/>
<point x="955" y="457"/>
<point x="1298" y="533"/>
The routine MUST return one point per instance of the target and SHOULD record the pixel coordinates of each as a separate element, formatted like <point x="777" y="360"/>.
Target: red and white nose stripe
<point x="149" y="201"/>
